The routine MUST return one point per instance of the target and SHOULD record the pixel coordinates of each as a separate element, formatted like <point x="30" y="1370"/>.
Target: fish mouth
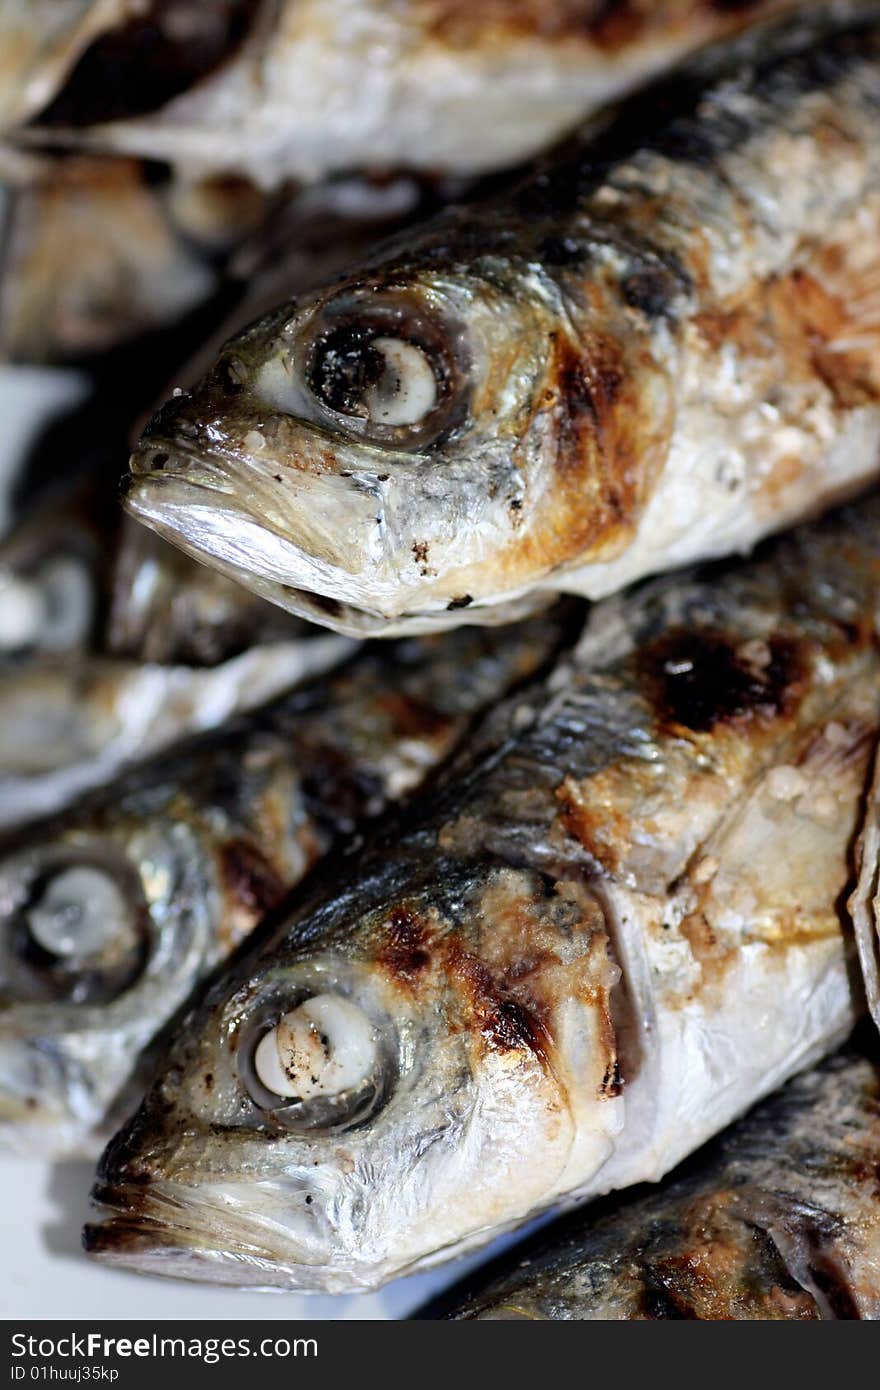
<point x="201" y="515"/>
<point x="179" y="1233"/>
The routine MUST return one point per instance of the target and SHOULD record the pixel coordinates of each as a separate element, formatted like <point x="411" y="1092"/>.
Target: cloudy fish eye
<point x="80" y="913"/>
<point x="49" y="608"/>
<point x="78" y="930"/>
<point x="381" y="379"/>
<point x="407" y="389"/>
<point x="323" y="1048"/>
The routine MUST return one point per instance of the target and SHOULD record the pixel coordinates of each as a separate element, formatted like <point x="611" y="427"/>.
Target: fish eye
<point x="384" y="368"/>
<point x="77" y="932"/>
<point x="381" y="379"/>
<point x="321" y="1063"/>
<point x="48" y="607"/>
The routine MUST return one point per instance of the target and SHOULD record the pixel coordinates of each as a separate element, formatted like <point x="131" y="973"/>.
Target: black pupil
<point x="345" y="366"/>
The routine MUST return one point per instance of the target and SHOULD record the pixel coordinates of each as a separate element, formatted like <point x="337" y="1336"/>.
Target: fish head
<point x="102" y="935"/>
<point x="413" y="448"/>
<point x="428" y="1070"/>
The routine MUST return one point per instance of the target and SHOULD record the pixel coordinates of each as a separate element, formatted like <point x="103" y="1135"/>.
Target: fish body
<point x="612" y="926"/>
<point x="312" y="87"/>
<point x="111" y="913"/>
<point x="661" y="345"/>
<point x="778" y="1220"/>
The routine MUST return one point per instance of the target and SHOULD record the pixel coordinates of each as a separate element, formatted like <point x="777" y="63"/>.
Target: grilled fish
<point x="660" y="346"/>
<point x="778" y="1220"/>
<point x="303" y="88"/>
<point x="110" y="914"/>
<point x="612" y="926"/>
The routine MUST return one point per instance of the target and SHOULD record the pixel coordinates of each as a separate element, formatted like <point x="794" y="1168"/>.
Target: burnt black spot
<point x="422" y="554"/>
<point x="278" y="478"/>
<point x="650" y="290"/>
<point x="512" y="1027"/>
<point x="339" y="791"/>
<point x="413" y="718"/>
<point x="404" y="952"/>
<point x="701" y="678"/>
<point x="612" y="1081"/>
<point x="309" y="1201"/>
<point x="250" y="878"/>
<point x="658" y="1301"/>
<point x="209" y="1081"/>
<point x="463" y="602"/>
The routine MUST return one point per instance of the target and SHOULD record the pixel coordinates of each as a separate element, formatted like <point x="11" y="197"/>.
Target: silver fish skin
<point x="778" y="1220"/>
<point x="315" y="87"/>
<point x="660" y="346"/>
<point x="112" y="913"/>
<point x="613" y="926"/>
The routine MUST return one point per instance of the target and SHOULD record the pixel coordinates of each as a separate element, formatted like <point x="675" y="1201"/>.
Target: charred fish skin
<point x="277" y="91"/>
<point x="111" y="913"/>
<point x="633" y="877"/>
<point x="659" y="347"/>
<point x="779" y="1219"/>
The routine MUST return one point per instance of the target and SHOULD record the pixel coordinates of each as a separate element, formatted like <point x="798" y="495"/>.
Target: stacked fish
<point x="370" y="891"/>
